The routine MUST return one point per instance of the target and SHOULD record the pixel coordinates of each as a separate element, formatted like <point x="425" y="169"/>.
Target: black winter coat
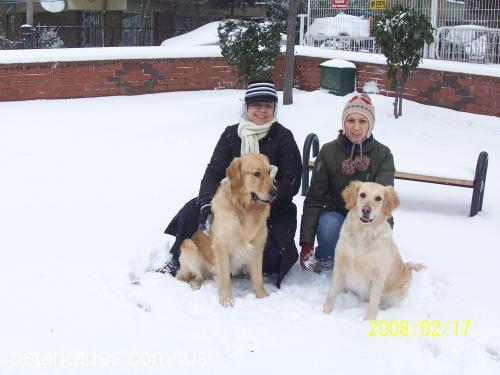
<point x="281" y="149"/>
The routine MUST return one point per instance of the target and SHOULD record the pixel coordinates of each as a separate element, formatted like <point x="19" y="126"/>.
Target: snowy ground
<point x="88" y="186"/>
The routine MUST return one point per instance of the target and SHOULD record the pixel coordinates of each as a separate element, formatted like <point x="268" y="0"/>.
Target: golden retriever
<point x="367" y="261"/>
<point x="238" y="234"/>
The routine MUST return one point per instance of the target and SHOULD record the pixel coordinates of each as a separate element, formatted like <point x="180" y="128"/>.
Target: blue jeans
<point x="327" y="235"/>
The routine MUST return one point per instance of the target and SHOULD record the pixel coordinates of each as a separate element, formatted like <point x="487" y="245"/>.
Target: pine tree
<point x="401" y="34"/>
<point x="251" y="47"/>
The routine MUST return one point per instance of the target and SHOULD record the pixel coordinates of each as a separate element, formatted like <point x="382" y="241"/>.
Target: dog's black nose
<point x="366" y="210"/>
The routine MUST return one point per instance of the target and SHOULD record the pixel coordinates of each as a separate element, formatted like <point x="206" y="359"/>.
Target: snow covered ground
<point x="88" y="186"/>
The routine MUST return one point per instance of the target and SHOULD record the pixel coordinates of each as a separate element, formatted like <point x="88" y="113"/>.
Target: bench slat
<point x="424" y="178"/>
<point x="433" y="179"/>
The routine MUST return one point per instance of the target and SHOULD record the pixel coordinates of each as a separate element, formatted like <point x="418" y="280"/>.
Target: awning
<point x="97" y="5"/>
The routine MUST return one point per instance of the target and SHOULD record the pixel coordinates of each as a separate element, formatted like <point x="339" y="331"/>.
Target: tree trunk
<point x="398" y="93"/>
<point x="103" y="30"/>
<point x="290" y="52"/>
<point x="146" y="6"/>
<point x="396" y="101"/>
<point x="3" y="19"/>
<point x="401" y="92"/>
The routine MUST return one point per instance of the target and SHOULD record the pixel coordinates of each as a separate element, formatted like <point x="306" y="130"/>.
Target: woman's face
<point x="356" y="127"/>
<point x="260" y="113"/>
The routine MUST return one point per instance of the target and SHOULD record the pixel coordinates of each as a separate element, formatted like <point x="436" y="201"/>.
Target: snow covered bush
<point x="401" y="34"/>
<point x="48" y="38"/>
<point x="251" y="47"/>
<point x="277" y="11"/>
<point x="6" y="43"/>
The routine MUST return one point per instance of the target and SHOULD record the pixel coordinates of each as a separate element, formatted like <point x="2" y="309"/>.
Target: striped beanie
<point x="361" y="103"/>
<point x="261" y="91"/>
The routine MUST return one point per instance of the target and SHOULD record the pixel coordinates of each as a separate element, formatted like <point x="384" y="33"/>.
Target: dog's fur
<point x="238" y="233"/>
<point x="367" y="261"/>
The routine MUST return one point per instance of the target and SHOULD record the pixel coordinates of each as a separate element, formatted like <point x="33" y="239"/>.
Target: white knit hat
<point x="361" y="103"/>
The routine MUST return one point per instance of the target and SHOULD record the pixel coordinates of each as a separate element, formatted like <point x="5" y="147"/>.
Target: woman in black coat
<point x="258" y="131"/>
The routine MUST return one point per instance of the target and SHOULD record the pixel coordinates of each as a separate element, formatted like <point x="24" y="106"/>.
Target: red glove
<point x="307" y="257"/>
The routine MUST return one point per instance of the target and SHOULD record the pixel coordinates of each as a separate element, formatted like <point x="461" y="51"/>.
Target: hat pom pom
<point x="348" y="167"/>
<point x="361" y="162"/>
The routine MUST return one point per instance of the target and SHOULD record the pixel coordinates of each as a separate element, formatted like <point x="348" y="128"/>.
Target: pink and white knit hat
<point x="360" y="103"/>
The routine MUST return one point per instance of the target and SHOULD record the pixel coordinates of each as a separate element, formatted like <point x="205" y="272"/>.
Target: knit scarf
<point x="250" y="134"/>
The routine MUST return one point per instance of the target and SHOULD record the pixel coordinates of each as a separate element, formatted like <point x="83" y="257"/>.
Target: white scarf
<point x="250" y="134"/>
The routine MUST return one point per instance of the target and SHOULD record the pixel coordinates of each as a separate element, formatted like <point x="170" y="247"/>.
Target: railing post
<point x="28" y="36"/>
<point x="301" y="35"/>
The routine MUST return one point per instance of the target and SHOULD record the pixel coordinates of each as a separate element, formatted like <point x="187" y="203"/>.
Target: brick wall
<point x="103" y="78"/>
<point x="463" y="92"/>
<point x="459" y="91"/>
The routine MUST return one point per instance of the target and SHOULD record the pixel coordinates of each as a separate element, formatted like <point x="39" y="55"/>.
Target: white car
<point x="340" y="32"/>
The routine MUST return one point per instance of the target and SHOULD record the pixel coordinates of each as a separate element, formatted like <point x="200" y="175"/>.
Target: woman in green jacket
<point x="354" y="155"/>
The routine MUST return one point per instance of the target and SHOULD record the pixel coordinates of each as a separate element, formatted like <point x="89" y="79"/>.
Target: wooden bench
<point x="478" y="184"/>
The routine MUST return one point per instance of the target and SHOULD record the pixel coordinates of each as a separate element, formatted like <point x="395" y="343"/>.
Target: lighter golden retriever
<point x="367" y="261"/>
<point x="238" y="234"/>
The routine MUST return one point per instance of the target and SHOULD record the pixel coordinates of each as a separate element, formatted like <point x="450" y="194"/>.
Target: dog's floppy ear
<point x="350" y="194"/>
<point x="391" y="200"/>
<point x="233" y="173"/>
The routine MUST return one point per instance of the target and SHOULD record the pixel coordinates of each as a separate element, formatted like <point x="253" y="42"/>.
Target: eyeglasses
<point x="262" y="105"/>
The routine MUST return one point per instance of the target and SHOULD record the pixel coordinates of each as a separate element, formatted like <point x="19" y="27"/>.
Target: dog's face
<point x="370" y="200"/>
<point x="250" y="180"/>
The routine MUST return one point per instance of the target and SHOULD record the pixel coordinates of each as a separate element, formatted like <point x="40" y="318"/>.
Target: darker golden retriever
<point x="238" y="234"/>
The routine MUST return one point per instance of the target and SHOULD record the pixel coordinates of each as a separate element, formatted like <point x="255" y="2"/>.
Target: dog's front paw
<point x="261" y="293"/>
<point x="195" y="284"/>
<point x="327" y="309"/>
<point x="227" y="301"/>
<point x="370" y="317"/>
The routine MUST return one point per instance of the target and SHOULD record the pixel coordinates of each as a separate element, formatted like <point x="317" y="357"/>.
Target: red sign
<point x="340" y="4"/>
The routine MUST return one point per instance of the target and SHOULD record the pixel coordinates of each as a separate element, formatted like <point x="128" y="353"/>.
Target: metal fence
<point x="466" y="43"/>
<point x="466" y="30"/>
<point x="82" y="36"/>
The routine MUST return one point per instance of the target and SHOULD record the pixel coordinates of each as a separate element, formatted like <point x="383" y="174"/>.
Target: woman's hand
<point x="205" y="219"/>
<point x="307" y="261"/>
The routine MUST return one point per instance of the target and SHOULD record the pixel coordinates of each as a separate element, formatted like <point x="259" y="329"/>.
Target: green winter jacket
<point x="328" y="182"/>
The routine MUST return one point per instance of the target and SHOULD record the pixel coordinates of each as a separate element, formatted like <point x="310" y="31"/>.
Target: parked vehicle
<point x="344" y="31"/>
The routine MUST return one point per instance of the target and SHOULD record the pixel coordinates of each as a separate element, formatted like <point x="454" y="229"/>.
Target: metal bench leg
<point x="479" y="184"/>
<point x="311" y="139"/>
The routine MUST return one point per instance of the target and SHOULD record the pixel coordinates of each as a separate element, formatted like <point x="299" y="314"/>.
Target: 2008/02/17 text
<point x="423" y="327"/>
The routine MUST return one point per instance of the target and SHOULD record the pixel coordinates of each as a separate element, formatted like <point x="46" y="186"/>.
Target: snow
<point x="492" y="70"/>
<point x="88" y="186"/>
<point x="108" y="53"/>
<point x="206" y="35"/>
<point x="371" y="87"/>
<point x="202" y="36"/>
<point x="341" y="24"/>
<point x="337" y="63"/>
<point x="193" y="51"/>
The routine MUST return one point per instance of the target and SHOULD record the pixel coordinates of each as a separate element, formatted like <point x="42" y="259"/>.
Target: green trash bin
<point x="338" y="76"/>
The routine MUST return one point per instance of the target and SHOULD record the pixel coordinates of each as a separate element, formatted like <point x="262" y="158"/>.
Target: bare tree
<point x="290" y="52"/>
<point x="145" y="6"/>
<point x="3" y="18"/>
<point x="103" y="28"/>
